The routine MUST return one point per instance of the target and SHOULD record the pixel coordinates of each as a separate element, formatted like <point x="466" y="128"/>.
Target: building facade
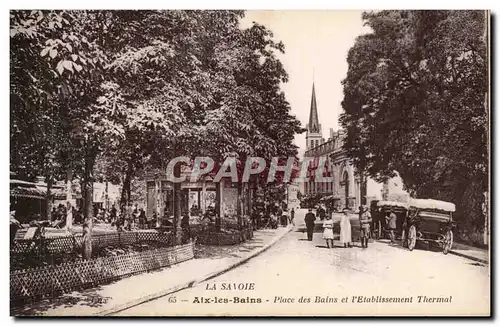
<point x="345" y="189"/>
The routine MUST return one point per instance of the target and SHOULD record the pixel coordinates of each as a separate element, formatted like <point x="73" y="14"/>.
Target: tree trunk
<point x="88" y="182"/>
<point x="362" y="186"/>
<point x="385" y="190"/>
<point x="217" y="205"/>
<point x="69" y="197"/>
<point x="360" y="193"/>
<point x="239" y="203"/>
<point x="106" y="196"/>
<point x="177" y="206"/>
<point x="48" y="198"/>
<point x="125" y="195"/>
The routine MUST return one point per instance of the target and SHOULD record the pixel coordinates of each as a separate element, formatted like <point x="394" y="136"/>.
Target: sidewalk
<point x="465" y="251"/>
<point x="473" y="253"/>
<point x="209" y="261"/>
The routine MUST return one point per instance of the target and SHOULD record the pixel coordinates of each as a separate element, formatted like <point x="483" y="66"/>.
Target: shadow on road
<point x="476" y="264"/>
<point x="324" y="247"/>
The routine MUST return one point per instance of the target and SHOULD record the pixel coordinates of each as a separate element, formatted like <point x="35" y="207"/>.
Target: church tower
<point x="313" y="133"/>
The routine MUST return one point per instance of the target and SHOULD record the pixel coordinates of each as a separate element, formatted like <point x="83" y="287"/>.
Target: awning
<point x="22" y="182"/>
<point x="36" y="192"/>
<point x="24" y="192"/>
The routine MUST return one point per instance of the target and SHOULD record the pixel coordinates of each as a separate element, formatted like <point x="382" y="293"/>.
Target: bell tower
<point x="313" y="133"/>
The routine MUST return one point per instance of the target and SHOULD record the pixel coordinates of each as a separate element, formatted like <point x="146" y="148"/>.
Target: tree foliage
<point x="116" y="92"/>
<point x="414" y="102"/>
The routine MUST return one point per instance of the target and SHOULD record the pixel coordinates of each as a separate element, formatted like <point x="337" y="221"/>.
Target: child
<point x="328" y="231"/>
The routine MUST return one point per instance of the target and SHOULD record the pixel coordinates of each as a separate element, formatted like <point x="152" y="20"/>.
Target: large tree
<point x="414" y="102"/>
<point x="133" y="89"/>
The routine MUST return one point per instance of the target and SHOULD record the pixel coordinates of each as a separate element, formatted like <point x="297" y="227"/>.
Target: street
<point x="337" y="281"/>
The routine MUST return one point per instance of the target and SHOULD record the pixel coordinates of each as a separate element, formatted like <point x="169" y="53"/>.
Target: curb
<point x="452" y="252"/>
<point x="189" y="284"/>
<point x="479" y="260"/>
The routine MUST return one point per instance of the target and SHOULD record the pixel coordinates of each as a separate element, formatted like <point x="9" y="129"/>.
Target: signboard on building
<point x="99" y="191"/>
<point x="229" y="201"/>
<point x="292" y="199"/>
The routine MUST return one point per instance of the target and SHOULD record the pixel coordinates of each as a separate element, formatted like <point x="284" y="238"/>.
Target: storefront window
<point x="210" y="196"/>
<point x="167" y="199"/>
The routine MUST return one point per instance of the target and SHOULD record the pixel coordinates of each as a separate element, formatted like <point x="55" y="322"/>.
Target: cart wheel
<point x="448" y="242"/>
<point x="412" y="237"/>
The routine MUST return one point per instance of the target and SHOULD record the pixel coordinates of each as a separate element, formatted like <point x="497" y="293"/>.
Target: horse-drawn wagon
<point x="430" y="221"/>
<point x="380" y="209"/>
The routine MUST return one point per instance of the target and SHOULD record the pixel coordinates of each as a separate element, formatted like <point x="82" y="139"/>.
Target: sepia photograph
<point x="237" y="163"/>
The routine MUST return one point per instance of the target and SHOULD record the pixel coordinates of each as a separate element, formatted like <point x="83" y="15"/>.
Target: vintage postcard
<point x="250" y="163"/>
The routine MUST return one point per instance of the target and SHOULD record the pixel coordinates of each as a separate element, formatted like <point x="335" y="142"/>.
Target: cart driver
<point x="365" y="219"/>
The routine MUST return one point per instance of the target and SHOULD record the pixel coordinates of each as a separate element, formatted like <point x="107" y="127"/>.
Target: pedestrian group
<point x="365" y="220"/>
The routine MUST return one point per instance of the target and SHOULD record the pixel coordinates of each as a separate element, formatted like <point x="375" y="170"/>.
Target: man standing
<point x="113" y="214"/>
<point x="309" y="219"/>
<point x="365" y="219"/>
<point x="391" y="224"/>
<point x="279" y="214"/>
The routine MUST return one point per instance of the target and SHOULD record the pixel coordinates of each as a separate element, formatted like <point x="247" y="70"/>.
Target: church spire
<point x="313" y="115"/>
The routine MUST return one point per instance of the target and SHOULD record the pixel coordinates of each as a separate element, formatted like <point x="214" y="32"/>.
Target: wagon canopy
<point x="432" y="204"/>
<point x="386" y="203"/>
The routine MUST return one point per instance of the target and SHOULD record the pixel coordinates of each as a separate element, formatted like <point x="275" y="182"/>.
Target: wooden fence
<point x="37" y="283"/>
<point x="40" y="252"/>
<point x="221" y="238"/>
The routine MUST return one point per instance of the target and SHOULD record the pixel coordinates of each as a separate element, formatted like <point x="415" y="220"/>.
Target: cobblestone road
<point x="296" y="268"/>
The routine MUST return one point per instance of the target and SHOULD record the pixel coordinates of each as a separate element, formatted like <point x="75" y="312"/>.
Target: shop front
<point x="196" y="198"/>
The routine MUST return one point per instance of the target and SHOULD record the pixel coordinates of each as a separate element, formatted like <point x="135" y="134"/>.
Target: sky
<point x="316" y="46"/>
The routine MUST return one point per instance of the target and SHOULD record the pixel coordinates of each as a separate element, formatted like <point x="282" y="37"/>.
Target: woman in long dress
<point x="328" y="231"/>
<point x="345" y="230"/>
